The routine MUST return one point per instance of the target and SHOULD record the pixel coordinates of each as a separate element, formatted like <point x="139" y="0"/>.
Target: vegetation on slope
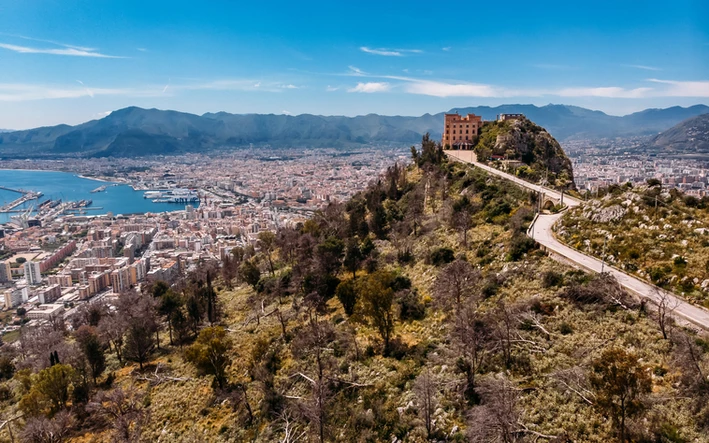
<point x="418" y="311"/>
<point x="524" y="141"/>
<point x="660" y="236"/>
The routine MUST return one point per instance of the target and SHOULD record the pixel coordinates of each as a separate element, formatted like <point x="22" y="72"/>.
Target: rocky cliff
<point x="515" y="141"/>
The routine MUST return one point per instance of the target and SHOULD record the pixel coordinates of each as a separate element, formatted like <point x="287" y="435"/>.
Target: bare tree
<point x="426" y="390"/>
<point x="575" y="380"/>
<point x="472" y="337"/>
<point x="290" y="428"/>
<point x="112" y="329"/>
<point x="313" y="343"/>
<point x="456" y="283"/>
<point x="124" y="410"/>
<point x="497" y="419"/>
<point x="666" y="305"/>
<point x="45" y="430"/>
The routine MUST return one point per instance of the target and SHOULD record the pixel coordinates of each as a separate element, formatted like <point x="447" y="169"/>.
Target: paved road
<point x="541" y="231"/>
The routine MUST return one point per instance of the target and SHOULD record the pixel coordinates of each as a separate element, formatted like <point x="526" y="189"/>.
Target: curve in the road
<point x="541" y="231"/>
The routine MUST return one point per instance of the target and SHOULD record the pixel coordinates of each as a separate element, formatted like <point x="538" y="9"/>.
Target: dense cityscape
<point x="63" y="259"/>
<point x="599" y="163"/>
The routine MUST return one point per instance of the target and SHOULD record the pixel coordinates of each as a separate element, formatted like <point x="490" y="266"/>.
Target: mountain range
<point x="135" y="131"/>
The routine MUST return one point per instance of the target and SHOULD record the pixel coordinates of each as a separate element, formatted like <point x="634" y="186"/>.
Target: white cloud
<point x="382" y="51"/>
<point x="81" y="48"/>
<point x="332" y="88"/>
<point x="389" y="52"/>
<point x="683" y="88"/>
<point x="142" y="49"/>
<point x="371" y="87"/>
<point x="643" y="67"/>
<point x="17" y="92"/>
<point x="447" y="48"/>
<point x="442" y="89"/>
<point x="355" y="71"/>
<point x="289" y="86"/>
<point x="608" y="92"/>
<point x="284" y="112"/>
<point x="67" y="50"/>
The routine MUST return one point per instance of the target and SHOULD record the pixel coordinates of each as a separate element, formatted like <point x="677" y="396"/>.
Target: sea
<point x="119" y="199"/>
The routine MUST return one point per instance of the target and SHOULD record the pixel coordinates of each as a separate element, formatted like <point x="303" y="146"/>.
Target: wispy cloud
<point x="284" y="112"/>
<point x="353" y="70"/>
<point x="371" y="87"/>
<point x="643" y="67"/>
<point x="674" y="88"/>
<point x="332" y="88"/>
<point x="446" y="48"/>
<point x="389" y="52"/>
<point x="66" y="50"/>
<point x="442" y="89"/>
<point x="448" y="88"/>
<point x="608" y="92"/>
<point x="141" y="49"/>
<point x="17" y="92"/>
<point x="53" y="42"/>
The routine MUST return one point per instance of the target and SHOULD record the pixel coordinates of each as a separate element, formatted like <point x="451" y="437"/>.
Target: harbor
<point x="59" y="189"/>
<point x="172" y="196"/>
<point x="26" y="196"/>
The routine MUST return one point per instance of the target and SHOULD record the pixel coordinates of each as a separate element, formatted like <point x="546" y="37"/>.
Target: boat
<point x="99" y="189"/>
<point x="173" y="196"/>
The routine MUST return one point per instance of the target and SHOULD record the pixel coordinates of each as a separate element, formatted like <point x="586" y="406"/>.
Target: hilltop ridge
<point x="688" y="137"/>
<point x="135" y="131"/>
<point x="523" y="141"/>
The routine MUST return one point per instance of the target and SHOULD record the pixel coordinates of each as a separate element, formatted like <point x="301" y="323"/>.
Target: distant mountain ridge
<point x="688" y="137"/>
<point x="135" y="131"/>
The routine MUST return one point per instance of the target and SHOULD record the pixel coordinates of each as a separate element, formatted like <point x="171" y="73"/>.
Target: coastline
<point x="102" y="180"/>
<point x="96" y="179"/>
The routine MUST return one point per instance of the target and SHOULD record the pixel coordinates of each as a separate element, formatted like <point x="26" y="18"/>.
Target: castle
<point x="461" y="132"/>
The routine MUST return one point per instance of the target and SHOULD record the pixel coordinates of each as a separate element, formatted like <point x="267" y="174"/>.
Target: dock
<point x="26" y="196"/>
<point x="19" y="191"/>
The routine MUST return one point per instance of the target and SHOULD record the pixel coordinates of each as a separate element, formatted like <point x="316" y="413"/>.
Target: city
<point x="70" y="258"/>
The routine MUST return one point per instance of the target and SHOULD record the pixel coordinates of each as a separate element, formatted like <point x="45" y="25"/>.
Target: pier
<point x="26" y="196"/>
<point x="5" y="188"/>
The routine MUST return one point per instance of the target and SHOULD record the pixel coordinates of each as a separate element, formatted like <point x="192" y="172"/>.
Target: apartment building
<point x="33" y="272"/>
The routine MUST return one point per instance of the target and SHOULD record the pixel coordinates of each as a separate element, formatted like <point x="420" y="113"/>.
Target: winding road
<point x="541" y="231"/>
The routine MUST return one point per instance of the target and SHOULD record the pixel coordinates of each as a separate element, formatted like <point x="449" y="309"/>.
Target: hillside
<point x="688" y="137"/>
<point x="418" y="311"/>
<point x="135" y="131"/>
<point x="525" y="141"/>
<point x="661" y="237"/>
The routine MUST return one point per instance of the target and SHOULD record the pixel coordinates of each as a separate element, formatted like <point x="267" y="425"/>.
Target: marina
<point x="60" y="190"/>
<point x="172" y="196"/>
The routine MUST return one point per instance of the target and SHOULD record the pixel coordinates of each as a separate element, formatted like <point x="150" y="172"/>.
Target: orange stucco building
<point x="460" y="132"/>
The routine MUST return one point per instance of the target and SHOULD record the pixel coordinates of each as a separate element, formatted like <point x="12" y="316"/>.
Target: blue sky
<point x="69" y="61"/>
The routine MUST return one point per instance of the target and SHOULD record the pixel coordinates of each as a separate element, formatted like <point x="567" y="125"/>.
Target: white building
<point x="33" y="273"/>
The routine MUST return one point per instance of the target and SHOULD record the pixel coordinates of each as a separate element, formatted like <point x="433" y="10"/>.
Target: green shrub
<point x="442" y="256"/>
